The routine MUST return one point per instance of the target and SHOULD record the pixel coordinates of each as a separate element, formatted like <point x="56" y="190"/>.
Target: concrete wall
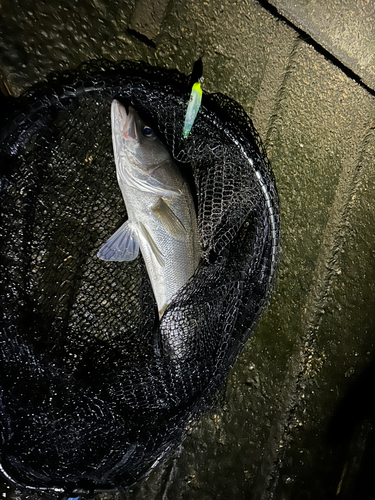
<point x="297" y="416"/>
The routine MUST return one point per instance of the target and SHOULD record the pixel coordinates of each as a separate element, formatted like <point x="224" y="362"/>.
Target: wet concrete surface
<point x="295" y="420"/>
<point x="344" y="29"/>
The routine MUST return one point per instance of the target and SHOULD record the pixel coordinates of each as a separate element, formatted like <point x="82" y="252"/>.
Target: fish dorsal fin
<point x="143" y="233"/>
<point x="146" y="182"/>
<point x="121" y="246"/>
<point x="169" y="219"/>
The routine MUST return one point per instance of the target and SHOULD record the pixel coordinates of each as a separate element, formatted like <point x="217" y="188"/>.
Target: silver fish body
<point x="162" y="222"/>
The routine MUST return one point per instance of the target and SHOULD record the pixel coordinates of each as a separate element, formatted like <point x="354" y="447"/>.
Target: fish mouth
<point x="127" y="119"/>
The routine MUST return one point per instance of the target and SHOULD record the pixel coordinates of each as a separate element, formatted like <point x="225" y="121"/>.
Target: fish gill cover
<point x="94" y="390"/>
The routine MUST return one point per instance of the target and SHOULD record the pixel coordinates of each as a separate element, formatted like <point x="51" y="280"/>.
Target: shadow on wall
<point x="351" y="431"/>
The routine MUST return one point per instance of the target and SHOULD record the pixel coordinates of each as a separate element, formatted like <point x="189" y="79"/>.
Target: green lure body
<point x="193" y="107"/>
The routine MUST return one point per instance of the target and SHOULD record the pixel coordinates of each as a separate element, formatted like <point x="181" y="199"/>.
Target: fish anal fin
<point x="121" y="246"/>
<point x="169" y="219"/>
<point x="151" y="243"/>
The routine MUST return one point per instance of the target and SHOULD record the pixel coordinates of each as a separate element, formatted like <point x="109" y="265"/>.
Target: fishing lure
<point x="193" y="107"/>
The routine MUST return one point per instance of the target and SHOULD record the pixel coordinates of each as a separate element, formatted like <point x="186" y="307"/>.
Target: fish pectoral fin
<point x="151" y="243"/>
<point x="169" y="219"/>
<point x="121" y="246"/>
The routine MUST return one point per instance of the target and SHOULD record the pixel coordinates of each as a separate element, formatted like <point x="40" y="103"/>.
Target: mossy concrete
<point x="271" y="437"/>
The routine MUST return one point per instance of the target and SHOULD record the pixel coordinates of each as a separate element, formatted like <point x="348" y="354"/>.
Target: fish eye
<point x="147" y="131"/>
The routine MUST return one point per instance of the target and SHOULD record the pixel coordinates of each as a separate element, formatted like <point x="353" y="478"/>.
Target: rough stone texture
<point x="295" y="421"/>
<point x="344" y="28"/>
<point x="147" y="18"/>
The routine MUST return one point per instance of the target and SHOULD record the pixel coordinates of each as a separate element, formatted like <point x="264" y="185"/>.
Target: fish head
<point x="134" y="139"/>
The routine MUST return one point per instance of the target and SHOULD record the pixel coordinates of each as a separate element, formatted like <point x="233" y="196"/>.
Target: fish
<point x="162" y="222"/>
<point x="193" y="108"/>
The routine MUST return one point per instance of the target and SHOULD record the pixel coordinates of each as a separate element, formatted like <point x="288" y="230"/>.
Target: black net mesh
<point x="94" y="390"/>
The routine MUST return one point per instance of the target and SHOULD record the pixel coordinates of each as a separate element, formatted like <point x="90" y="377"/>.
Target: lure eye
<point x="147" y="131"/>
